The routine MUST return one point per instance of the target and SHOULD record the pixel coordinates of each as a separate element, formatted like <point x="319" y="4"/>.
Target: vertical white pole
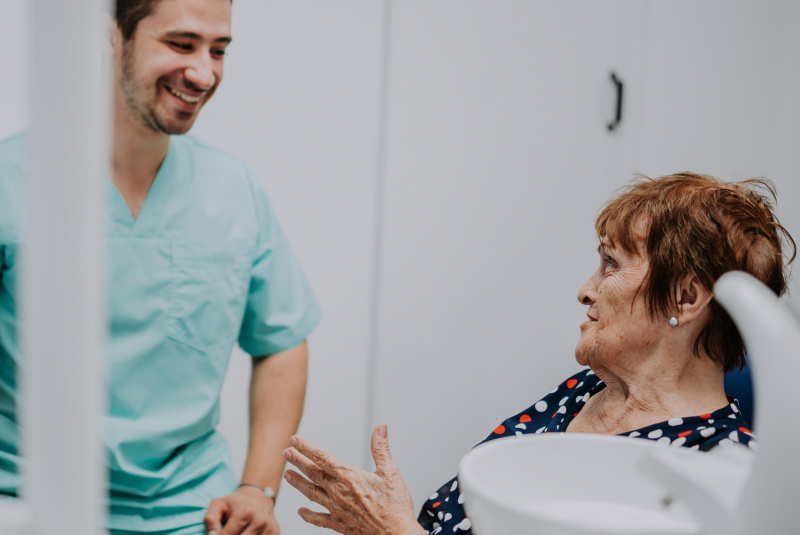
<point x="63" y="323"/>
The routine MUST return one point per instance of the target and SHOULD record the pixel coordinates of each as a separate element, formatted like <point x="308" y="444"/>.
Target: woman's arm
<point x="358" y="502"/>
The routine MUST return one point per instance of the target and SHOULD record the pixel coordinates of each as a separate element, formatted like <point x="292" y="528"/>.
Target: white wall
<point x="787" y="140"/>
<point x="474" y="145"/>
<point x="14" y="35"/>
<point x="301" y="103"/>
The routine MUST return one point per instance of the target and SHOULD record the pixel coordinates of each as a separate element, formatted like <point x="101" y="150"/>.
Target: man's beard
<point x="143" y="112"/>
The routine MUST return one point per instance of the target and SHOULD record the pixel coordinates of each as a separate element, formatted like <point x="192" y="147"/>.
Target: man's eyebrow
<point x="195" y="36"/>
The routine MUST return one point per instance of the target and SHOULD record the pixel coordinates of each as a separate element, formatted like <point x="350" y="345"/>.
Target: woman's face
<point x="619" y="332"/>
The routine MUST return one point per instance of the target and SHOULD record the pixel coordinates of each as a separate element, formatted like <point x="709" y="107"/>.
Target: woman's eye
<point x="181" y="46"/>
<point x="218" y="52"/>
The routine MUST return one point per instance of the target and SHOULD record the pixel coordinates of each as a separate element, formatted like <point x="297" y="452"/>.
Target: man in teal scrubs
<point x="197" y="263"/>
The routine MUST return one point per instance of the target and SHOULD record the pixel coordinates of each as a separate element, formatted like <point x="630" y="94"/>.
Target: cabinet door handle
<point x="618" y="119"/>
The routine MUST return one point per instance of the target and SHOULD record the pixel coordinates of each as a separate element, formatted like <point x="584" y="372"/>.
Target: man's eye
<point x="181" y="46"/>
<point x="218" y="52"/>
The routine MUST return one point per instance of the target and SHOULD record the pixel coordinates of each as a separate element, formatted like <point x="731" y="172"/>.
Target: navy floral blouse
<point x="444" y="511"/>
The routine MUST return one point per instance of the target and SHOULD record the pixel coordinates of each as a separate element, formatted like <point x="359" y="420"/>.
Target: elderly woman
<point x="655" y="342"/>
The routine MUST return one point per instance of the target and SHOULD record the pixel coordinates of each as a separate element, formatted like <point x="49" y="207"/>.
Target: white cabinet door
<point x="721" y="95"/>
<point x="497" y="158"/>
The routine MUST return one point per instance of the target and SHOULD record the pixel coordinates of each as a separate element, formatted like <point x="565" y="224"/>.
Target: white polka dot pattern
<point x="553" y="414"/>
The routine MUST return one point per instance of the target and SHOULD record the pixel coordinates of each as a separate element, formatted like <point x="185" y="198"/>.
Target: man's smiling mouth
<point x="189" y="99"/>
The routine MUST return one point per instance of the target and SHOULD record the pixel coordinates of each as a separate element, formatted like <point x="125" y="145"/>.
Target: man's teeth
<point x="184" y="97"/>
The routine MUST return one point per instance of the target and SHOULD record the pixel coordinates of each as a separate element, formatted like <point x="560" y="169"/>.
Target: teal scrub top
<point x="205" y="265"/>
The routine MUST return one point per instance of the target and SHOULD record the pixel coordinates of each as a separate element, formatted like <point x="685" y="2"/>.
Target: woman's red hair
<point x="696" y="225"/>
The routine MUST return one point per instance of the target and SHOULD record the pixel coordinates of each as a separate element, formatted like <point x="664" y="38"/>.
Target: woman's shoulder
<point x="552" y="412"/>
<point x="723" y="427"/>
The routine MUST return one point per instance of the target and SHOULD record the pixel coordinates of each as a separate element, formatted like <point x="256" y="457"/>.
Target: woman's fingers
<point x="347" y="525"/>
<point x="321" y="520"/>
<point x="311" y="469"/>
<point x="339" y="519"/>
<point x="326" y="462"/>
<point x="313" y="492"/>
<point x="358" y="502"/>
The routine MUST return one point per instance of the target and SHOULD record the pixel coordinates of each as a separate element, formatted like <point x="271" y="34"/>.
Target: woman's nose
<point x="587" y="294"/>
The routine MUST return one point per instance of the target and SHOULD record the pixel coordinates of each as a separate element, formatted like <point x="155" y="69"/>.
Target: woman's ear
<point x="693" y="299"/>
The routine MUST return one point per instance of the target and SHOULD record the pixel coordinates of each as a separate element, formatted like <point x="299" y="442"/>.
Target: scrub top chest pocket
<point x="209" y="287"/>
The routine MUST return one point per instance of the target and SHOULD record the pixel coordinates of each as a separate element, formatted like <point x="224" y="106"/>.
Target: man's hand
<point x="245" y="512"/>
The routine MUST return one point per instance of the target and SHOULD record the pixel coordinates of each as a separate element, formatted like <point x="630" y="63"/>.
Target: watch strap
<point x="268" y="492"/>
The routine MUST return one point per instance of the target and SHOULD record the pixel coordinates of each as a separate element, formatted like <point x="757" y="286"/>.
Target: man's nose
<point x="201" y="73"/>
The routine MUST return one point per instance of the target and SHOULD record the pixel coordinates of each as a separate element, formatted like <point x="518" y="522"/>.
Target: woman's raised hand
<point x="358" y="502"/>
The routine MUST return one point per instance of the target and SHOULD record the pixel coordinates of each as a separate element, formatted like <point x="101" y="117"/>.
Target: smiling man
<point x="197" y="262"/>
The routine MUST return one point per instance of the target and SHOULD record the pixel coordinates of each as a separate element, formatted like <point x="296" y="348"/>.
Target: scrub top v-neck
<point x="204" y="265"/>
<point x="120" y="216"/>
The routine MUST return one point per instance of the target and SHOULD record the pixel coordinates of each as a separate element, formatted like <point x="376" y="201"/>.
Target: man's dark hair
<point x="128" y="14"/>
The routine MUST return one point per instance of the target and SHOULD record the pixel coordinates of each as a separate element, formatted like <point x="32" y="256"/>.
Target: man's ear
<point x="693" y="299"/>
<point x="114" y="35"/>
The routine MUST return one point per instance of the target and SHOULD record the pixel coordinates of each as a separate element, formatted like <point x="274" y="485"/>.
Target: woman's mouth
<point x="588" y="322"/>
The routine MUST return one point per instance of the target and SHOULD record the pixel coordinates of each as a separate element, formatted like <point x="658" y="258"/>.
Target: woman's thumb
<point x="380" y="447"/>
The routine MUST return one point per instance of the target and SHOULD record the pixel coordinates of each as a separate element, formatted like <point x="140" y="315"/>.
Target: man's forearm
<point x="277" y="395"/>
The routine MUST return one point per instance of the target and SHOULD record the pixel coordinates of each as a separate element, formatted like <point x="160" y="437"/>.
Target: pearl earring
<point x="673" y="321"/>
